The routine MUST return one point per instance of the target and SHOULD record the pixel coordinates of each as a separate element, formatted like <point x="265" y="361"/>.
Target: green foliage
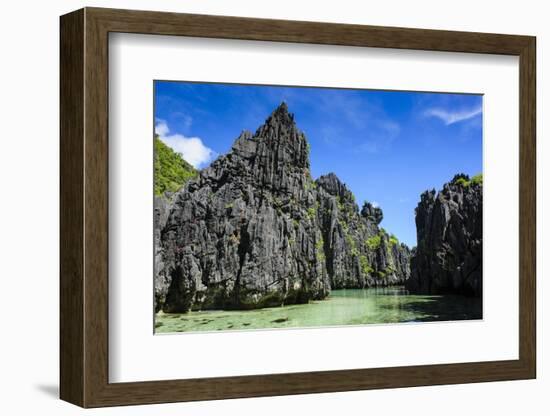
<point x="477" y="179"/>
<point x="345" y="227"/>
<point x="307" y="185"/>
<point x="373" y="242"/>
<point x="462" y="182"/>
<point x="320" y="256"/>
<point x="312" y="211"/>
<point x="364" y="264"/>
<point x="339" y="204"/>
<point x="320" y="249"/>
<point x="171" y="171"/>
<point x="229" y="206"/>
<point x="319" y="244"/>
<point x="351" y="243"/>
<point x="393" y="240"/>
<point x="349" y="239"/>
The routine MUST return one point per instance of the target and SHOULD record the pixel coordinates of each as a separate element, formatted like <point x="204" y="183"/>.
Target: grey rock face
<point x="372" y="213"/>
<point x="448" y="258"/>
<point x="358" y="253"/>
<point x="162" y="205"/>
<point x="254" y="230"/>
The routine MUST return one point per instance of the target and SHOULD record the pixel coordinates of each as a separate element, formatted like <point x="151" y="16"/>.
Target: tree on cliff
<point x="171" y="170"/>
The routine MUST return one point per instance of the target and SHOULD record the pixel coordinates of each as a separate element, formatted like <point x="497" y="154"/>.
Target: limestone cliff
<point x="255" y="230"/>
<point x="448" y="258"/>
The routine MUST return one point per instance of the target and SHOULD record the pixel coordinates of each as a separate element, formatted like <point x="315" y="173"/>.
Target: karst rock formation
<point x="448" y="257"/>
<point x="255" y="230"/>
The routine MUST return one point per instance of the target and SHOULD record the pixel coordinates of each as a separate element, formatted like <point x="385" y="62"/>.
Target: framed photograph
<point x="255" y="207"/>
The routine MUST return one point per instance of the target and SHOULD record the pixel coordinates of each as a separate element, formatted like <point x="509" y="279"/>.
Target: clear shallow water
<point x="342" y="307"/>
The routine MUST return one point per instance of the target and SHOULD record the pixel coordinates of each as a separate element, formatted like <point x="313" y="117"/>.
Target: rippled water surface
<point x="342" y="307"/>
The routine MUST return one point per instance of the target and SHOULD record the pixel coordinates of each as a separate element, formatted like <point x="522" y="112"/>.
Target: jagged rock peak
<point x="335" y="187"/>
<point x="372" y="213"/>
<point x="276" y="146"/>
<point x="279" y="120"/>
<point x="282" y="115"/>
<point x="427" y="197"/>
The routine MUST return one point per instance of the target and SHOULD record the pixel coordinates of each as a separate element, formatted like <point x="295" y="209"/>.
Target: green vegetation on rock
<point x="393" y="240"/>
<point x="340" y="204"/>
<point x="374" y="242"/>
<point x="463" y="182"/>
<point x="319" y="250"/>
<point x="312" y="211"/>
<point x="171" y="171"/>
<point x="364" y="264"/>
<point x="476" y="180"/>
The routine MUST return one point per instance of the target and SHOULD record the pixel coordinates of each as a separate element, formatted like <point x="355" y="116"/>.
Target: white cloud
<point x="451" y="117"/>
<point x="191" y="149"/>
<point x="162" y="128"/>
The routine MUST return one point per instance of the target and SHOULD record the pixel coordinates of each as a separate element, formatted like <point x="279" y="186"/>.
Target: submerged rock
<point x="448" y="258"/>
<point x="254" y="230"/>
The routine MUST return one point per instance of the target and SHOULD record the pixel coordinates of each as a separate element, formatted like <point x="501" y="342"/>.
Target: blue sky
<point x="387" y="146"/>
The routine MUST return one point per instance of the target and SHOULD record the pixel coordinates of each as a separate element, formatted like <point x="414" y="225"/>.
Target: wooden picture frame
<point x="84" y="207"/>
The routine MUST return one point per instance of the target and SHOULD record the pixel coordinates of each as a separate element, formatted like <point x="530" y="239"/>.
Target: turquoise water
<point x="342" y="307"/>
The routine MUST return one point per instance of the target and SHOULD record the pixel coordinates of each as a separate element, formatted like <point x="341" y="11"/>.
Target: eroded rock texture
<point x="162" y="206"/>
<point x="358" y="253"/>
<point x="254" y="230"/>
<point x="448" y="258"/>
